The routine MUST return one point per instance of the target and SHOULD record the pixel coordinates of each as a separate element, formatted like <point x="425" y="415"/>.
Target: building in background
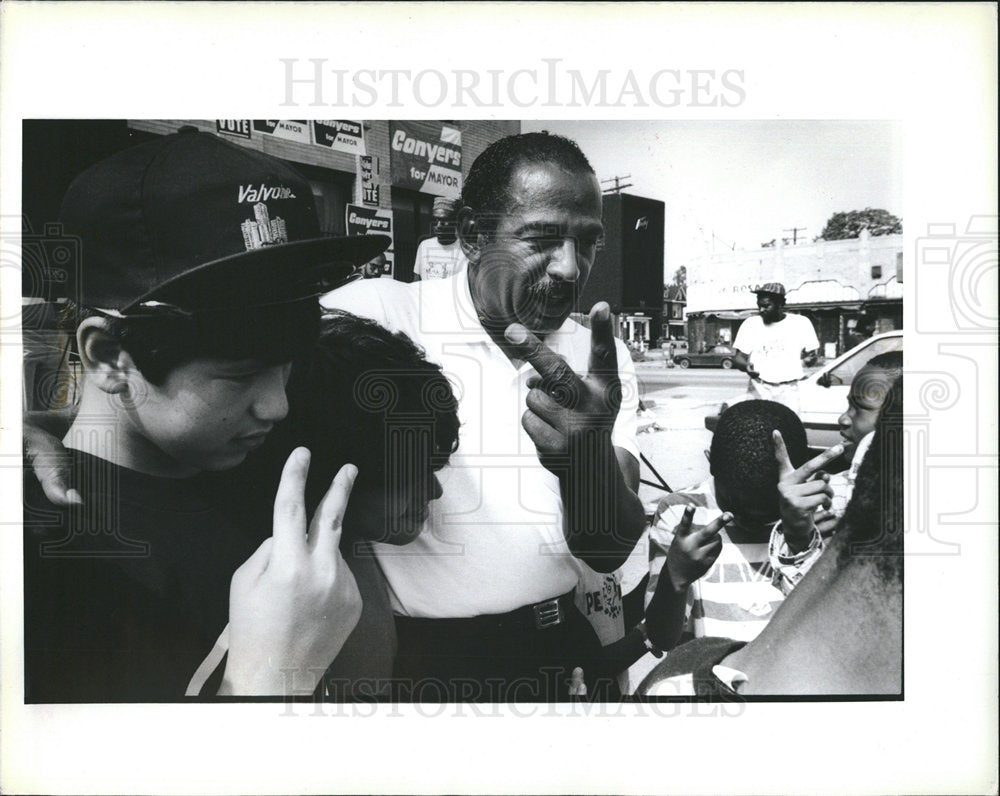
<point x="849" y="289"/>
<point x="628" y="272"/>
<point x="674" y="302"/>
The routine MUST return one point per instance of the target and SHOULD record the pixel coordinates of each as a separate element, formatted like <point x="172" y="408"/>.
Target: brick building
<point x="849" y="289"/>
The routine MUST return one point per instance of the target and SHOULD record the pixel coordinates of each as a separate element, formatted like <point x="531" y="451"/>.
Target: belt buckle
<point x="547" y="613"/>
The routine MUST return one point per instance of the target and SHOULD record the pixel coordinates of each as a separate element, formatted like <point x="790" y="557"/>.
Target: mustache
<point x="549" y="291"/>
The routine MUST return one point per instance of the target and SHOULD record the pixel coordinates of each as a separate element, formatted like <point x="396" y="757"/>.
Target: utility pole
<point x="617" y="187"/>
<point x="795" y="233"/>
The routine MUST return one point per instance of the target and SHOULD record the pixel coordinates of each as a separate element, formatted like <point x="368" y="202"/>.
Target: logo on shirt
<point x="607" y="600"/>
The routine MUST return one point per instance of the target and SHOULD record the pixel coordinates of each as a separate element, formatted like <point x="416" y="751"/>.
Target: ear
<point x="468" y="234"/>
<point x="105" y="362"/>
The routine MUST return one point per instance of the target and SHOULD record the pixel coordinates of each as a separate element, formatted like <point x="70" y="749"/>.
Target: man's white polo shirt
<point x="493" y="542"/>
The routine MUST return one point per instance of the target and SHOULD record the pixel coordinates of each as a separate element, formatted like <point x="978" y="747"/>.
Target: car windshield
<point x="845" y="372"/>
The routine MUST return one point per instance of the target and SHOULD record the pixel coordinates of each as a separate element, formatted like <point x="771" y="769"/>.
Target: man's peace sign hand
<point x="560" y="403"/>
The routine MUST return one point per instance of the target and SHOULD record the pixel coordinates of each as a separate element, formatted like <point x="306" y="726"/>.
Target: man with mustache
<point x="547" y="468"/>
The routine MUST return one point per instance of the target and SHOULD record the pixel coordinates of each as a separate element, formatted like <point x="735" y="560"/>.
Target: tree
<point x="842" y="226"/>
<point x="681" y="276"/>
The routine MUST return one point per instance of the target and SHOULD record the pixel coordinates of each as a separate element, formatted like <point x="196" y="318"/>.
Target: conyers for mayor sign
<point x="371" y="221"/>
<point x="426" y="157"/>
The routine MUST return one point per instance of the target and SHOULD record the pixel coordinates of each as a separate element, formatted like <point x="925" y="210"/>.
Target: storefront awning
<point x="723" y="315"/>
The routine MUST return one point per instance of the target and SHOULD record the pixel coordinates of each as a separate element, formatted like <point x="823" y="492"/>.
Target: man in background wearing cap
<point x="440" y="256"/>
<point x="770" y="348"/>
<point x="200" y="266"/>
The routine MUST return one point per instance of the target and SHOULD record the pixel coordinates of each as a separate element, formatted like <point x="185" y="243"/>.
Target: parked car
<point x="718" y="356"/>
<point x="823" y="394"/>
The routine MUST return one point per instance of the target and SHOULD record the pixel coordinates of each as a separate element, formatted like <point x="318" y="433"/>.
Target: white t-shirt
<point x="775" y="349"/>
<point x="434" y="261"/>
<point x="494" y="541"/>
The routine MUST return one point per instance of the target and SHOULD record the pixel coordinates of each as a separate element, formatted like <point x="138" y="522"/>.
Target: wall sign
<point x="340" y="136"/>
<point x="290" y="130"/>
<point x="368" y="168"/>
<point x="237" y="127"/>
<point x="369" y="220"/>
<point x="426" y="157"/>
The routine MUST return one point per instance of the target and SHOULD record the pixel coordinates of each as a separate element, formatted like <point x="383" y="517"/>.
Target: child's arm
<point x="293" y="604"/>
<point x="805" y="496"/>
<point x="690" y="555"/>
<point x="621" y="654"/>
<point x="801" y="492"/>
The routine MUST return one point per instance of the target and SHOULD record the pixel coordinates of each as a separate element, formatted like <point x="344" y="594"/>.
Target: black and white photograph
<point x="570" y="430"/>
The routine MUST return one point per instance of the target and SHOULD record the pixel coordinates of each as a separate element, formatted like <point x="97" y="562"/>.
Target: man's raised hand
<point x="570" y="420"/>
<point x="293" y="604"/>
<point x="560" y="403"/>
<point x="801" y="491"/>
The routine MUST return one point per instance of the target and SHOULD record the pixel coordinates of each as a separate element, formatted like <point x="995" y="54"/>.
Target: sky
<point x="740" y="183"/>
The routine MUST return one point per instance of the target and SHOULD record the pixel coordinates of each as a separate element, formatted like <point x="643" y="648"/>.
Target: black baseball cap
<point x="194" y="223"/>
<point x="772" y="288"/>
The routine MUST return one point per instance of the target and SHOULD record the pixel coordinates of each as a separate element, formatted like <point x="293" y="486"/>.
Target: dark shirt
<point x="126" y="595"/>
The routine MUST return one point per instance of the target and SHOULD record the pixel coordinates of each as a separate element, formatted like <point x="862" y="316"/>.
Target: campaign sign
<point x="426" y="157"/>
<point x="238" y="127"/>
<point x="369" y="195"/>
<point x="369" y="188"/>
<point x="283" y="128"/>
<point x="370" y="220"/>
<point x="340" y="136"/>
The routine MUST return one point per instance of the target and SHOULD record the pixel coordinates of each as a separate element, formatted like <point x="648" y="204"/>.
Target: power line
<point x="795" y="233"/>
<point x="730" y="246"/>
<point x="617" y="187"/>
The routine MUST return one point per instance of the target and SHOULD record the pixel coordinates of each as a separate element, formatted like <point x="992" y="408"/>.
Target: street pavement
<point x="673" y="435"/>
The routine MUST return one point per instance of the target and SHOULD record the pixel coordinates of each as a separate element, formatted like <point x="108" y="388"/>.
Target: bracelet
<point x="649" y="645"/>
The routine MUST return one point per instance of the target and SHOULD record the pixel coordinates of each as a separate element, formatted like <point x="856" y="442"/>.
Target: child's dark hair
<point x="365" y="395"/>
<point x="872" y="527"/>
<point x="890" y="361"/>
<point x="159" y="343"/>
<point x="742" y="453"/>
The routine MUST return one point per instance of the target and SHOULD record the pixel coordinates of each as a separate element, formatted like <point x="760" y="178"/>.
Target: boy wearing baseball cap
<point x="201" y="262"/>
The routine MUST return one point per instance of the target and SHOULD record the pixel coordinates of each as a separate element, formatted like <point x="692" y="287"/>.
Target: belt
<point x="539" y="616"/>
<point x="777" y="383"/>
